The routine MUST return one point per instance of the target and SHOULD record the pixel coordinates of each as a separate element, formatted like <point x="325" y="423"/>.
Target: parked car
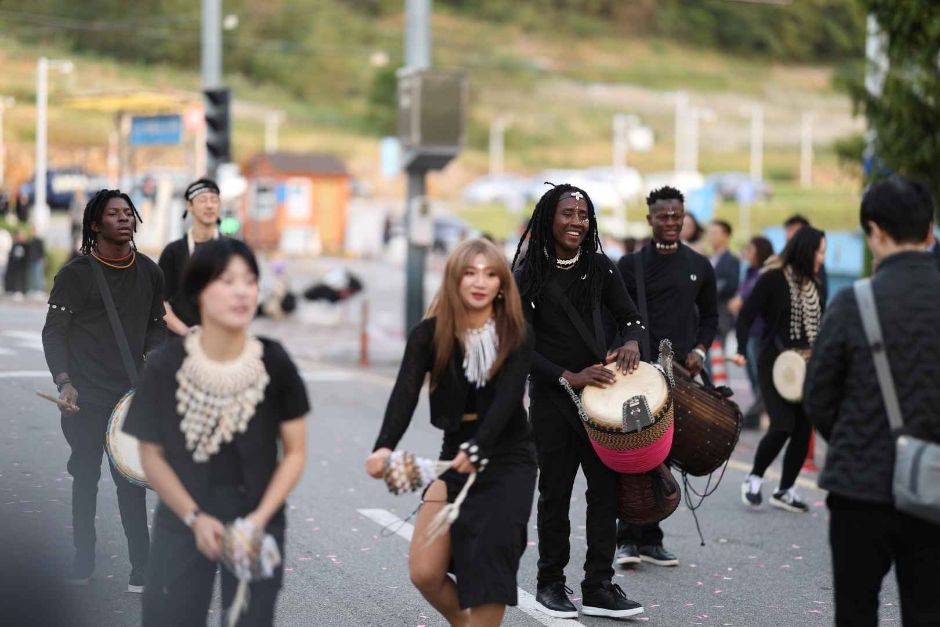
<point x="505" y="189"/>
<point x="683" y="180"/>
<point x="61" y="184"/>
<point x="731" y="186"/>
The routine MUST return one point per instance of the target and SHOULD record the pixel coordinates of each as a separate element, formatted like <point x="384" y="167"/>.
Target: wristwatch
<point x="190" y="518"/>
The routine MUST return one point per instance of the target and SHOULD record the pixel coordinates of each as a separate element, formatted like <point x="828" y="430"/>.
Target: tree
<point x="905" y="117"/>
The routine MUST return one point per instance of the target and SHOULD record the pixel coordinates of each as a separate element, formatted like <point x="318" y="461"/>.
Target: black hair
<point x="725" y="226"/>
<point x="796" y="219"/>
<point x="208" y="263"/>
<point x="800" y="252"/>
<point x="697" y="233"/>
<point x="901" y="207"/>
<point x="763" y="247"/>
<point x="535" y="265"/>
<point x="664" y="193"/>
<point x="93" y="212"/>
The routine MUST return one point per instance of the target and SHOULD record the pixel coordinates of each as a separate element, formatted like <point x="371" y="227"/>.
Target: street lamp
<point x="40" y="218"/>
<point x="5" y="103"/>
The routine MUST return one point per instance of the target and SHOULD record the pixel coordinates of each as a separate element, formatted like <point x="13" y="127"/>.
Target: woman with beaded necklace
<point x="787" y="296"/>
<point x="210" y="412"/>
<point x="477" y="348"/>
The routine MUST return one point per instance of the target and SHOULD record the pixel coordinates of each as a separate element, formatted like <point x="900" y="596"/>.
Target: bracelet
<point x="191" y="517"/>
<point x="698" y="351"/>
<point x="61" y="385"/>
<point x="472" y="449"/>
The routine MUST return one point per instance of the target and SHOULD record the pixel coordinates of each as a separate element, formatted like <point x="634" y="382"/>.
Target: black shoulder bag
<point x="116" y="327"/>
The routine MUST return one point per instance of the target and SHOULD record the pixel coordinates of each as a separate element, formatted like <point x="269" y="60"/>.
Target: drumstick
<point x="57" y="401"/>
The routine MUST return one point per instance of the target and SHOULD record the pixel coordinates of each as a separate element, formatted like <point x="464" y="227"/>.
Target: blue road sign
<point x="156" y="130"/>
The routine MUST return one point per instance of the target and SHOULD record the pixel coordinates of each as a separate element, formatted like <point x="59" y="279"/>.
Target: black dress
<point x="229" y="485"/>
<point x="490" y="535"/>
<point x="770" y="301"/>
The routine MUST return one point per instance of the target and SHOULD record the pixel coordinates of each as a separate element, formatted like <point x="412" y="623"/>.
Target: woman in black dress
<point x="787" y="296"/>
<point x="477" y="348"/>
<point x="211" y="411"/>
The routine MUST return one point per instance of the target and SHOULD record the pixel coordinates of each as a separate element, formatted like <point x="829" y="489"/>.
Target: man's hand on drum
<point x="69" y="395"/>
<point x="627" y="357"/>
<point x="740" y="360"/>
<point x="596" y="375"/>
<point x="694" y="363"/>
<point x="375" y="463"/>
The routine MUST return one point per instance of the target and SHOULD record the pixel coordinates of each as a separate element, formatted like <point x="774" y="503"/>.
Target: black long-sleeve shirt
<point x="681" y="297"/>
<point x="502" y="418"/>
<point x="77" y="337"/>
<point x="559" y="346"/>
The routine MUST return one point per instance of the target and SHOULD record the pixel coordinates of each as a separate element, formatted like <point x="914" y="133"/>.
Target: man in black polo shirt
<point x="681" y="306"/>
<point x="565" y="280"/>
<point x="85" y="360"/>
<point x="202" y="201"/>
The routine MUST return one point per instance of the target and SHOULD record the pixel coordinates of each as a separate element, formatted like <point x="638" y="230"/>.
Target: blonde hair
<point x="450" y="313"/>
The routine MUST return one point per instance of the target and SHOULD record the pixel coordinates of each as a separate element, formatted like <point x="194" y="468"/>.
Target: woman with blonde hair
<point x="477" y="348"/>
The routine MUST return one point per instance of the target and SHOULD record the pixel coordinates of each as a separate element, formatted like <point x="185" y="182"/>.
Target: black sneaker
<point x="789" y="501"/>
<point x="750" y="493"/>
<point x="552" y="599"/>
<point x="136" y="583"/>
<point x="656" y="554"/>
<point x="82" y="569"/>
<point x="608" y="600"/>
<point x="627" y="554"/>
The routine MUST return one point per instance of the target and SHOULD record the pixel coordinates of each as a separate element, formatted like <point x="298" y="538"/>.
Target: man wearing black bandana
<point x="566" y="281"/>
<point x="202" y="201"/>
<point x="681" y="306"/>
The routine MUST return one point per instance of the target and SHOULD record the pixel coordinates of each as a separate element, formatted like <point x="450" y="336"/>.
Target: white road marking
<point x="25" y="374"/>
<point x="343" y="376"/>
<point x="405" y="530"/>
<point x="25" y="339"/>
<point x="744" y="467"/>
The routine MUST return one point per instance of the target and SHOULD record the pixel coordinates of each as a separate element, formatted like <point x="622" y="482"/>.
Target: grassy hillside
<point x="557" y="87"/>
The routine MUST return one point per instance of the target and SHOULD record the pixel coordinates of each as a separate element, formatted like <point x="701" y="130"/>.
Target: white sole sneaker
<point x="744" y="493"/>
<point x="786" y="506"/>
<point x="555" y="613"/>
<point x="135" y="589"/>
<point x="653" y="560"/>
<point x="78" y="581"/>
<point x="587" y="610"/>
<point x="626" y="561"/>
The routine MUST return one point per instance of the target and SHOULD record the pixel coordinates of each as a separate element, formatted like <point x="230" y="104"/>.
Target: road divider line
<point x="405" y="530"/>
<point x="25" y="374"/>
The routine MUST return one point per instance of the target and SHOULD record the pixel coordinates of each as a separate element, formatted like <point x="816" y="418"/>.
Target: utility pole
<point x="40" y="214"/>
<point x="806" y="149"/>
<point x="417" y="57"/>
<point x="211" y="61"/>
<point x="681" y="129"/>
<point x="272" y="121"/>
<point x="757" y="142"/>
<point x="497" y="144"/>
<point x="5" y="103"/>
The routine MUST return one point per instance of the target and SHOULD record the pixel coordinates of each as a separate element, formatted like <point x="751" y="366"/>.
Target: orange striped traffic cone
<point x="716" y="356"/>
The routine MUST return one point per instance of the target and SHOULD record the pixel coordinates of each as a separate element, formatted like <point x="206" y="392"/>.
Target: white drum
<point x="123" y="449"/>
<point x="789" y="374"/>
<point x="605" y="405"/>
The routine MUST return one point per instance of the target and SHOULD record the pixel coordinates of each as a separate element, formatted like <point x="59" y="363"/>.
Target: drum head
<point x="122" y="448"/>
<point x="789" y="374"/>
<point x="605" y="405"/>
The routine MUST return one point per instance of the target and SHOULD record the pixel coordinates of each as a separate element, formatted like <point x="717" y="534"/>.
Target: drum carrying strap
<point x="640" y="280"/>
<point x="116" y="327"/>
<point x="595" y="342"/>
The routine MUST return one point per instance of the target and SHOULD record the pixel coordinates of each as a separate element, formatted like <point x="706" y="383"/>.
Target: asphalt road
<point x="764" y="567"/>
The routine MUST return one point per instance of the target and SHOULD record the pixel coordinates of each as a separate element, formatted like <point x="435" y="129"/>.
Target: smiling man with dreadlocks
<point x="85" y="360"/>
<point x="565" y="281"/>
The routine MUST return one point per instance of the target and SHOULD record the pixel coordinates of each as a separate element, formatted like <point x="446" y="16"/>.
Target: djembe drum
<point x="124" y="449"/>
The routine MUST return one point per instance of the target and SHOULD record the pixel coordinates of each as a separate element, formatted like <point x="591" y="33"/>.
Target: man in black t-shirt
<point x="681" y="306"/>
<point x="86" y="363"/>
<point x="565" y="280"/>
<point x="202" y="201"/>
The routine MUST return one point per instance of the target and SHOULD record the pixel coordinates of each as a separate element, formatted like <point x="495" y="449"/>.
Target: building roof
<point x="320" y="163"/>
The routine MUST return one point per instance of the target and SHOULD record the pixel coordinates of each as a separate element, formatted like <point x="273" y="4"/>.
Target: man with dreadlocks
<point x="87" y="366"/>
<point x="681" y="305"/>
<point x="565" y="281"/>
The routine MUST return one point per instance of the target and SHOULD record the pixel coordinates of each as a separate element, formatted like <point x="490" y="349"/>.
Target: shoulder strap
<point x="600" y="351"/>
<point x="640" y="278"/>
<point x="116" y="327"/>
<point x="866" y="306"/>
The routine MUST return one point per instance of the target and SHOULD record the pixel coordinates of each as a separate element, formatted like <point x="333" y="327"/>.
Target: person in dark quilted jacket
<point x="843" y="399"/>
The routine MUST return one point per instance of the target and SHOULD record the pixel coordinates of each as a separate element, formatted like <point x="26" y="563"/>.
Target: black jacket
<point x="498" y="403"/>
<point x="842" y="396"/>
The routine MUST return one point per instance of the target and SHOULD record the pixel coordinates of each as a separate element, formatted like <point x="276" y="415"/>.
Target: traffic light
<point x="218" y="127"/>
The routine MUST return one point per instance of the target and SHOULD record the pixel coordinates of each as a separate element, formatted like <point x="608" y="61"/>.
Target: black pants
<point x="559" y="459"/>
<point x="640" y="535"/>
<point x="85" y="433"/>
<point x="866" y="538"/>
<point x="773" y="441"/>
<point x="180" y="579"/>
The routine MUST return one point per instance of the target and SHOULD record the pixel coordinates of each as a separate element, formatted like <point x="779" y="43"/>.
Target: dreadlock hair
<point x="536" y="264"/>
<point x="664" y="193"/>
<point x="93" y="212"/>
